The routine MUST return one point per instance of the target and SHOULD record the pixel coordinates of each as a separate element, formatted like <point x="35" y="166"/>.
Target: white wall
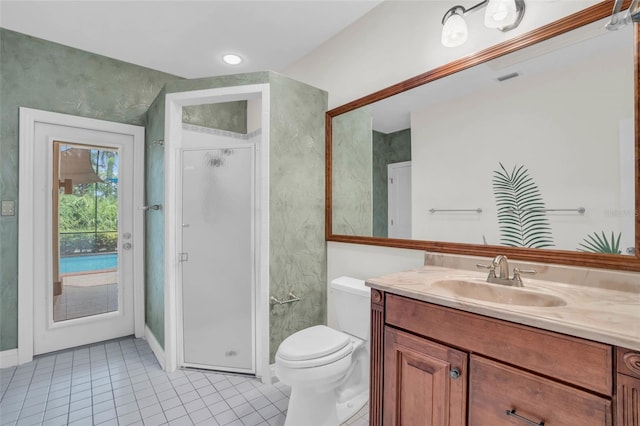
<point x="363" y="261"/>
<point x="395" y="41"/>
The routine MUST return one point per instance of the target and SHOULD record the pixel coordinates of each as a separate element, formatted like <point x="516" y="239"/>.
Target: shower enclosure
<point x="284" y="122"/>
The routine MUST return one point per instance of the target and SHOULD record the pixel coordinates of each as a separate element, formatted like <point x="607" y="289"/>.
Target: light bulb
<point x="500" y="13"/>
<point x="454" y="31"/>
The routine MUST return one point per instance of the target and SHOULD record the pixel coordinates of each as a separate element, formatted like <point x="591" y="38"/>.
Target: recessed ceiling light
<point x="232" y="59"/>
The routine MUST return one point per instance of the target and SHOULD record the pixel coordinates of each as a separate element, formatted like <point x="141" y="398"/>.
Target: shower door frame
<point x="174" y="102"/>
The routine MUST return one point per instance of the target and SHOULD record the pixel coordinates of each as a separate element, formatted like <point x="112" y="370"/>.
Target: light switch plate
<point x="8" y="208"/>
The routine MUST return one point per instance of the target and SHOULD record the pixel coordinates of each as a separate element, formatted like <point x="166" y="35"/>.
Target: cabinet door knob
<point x="454" y="373"/>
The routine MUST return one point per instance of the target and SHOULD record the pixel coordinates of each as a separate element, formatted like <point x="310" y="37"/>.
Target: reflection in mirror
<point x="532" y="149"/>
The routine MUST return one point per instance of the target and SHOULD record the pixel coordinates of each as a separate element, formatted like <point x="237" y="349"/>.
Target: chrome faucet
<point x="502" y="264"/>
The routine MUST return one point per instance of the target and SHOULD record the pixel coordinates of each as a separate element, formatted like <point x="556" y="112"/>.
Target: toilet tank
<point x="352" y="299"/>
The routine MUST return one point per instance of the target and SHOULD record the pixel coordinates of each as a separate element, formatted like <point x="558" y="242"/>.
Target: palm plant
<point x="595" y="243"/>
<point x="521" y="211"/>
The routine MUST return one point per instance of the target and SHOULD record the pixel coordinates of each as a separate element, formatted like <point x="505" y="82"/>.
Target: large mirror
<point x="529" y="148"/>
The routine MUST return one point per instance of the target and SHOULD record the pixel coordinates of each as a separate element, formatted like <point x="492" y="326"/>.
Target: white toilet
<point x="327" y="369"/>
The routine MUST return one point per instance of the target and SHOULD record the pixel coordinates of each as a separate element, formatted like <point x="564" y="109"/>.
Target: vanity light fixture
<point x="232" y="59"/>
<point x="503" y="15"/>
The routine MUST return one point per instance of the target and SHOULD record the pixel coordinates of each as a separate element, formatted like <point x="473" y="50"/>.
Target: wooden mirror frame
<point x="575" y="258"/>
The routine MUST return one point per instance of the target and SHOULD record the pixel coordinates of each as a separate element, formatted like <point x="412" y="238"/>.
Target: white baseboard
<point x="154" y="345"/>
<point x="8" y="358"/>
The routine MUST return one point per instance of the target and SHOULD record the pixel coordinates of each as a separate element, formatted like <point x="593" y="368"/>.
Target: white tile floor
<point x="121" y="383"/>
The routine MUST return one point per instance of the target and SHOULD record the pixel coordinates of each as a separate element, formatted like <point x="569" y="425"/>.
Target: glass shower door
<point x="218" y="258"/>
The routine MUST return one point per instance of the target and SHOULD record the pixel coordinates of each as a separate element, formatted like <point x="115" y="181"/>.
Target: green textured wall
<point x="154" y="220"/>
<point x="297" y="246"/>
<point x="39" y="74"/>
<point x="230" y="116"/>
<point x="387" y="149"/>
<point x="352" y="173"/>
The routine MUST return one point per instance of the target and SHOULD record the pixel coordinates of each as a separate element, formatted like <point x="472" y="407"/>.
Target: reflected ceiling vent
<point x="508" y="76"/>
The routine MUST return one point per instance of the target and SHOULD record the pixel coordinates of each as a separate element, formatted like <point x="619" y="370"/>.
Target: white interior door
<point x="399" y="199"/>
<point x="218" y="258"/>
<point x="82" y="279"/>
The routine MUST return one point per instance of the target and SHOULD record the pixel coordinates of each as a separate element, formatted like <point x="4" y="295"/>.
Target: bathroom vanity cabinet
<point x="434" y="365"/>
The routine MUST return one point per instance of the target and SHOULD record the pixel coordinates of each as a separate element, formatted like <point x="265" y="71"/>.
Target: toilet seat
<point x="314" y="346"/>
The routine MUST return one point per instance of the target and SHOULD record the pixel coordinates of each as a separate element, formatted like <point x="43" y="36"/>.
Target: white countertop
<point x="599" y="314"/>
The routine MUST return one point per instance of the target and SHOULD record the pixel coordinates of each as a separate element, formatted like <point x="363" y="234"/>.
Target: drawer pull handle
<point x="454" y="373"/>
<point x="518" y="416"/>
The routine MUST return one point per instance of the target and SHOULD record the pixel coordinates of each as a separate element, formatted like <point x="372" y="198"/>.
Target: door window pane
<point x="85" y="223"/>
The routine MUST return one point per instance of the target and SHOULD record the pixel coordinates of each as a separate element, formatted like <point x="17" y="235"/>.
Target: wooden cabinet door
<point x="425" y="383"/>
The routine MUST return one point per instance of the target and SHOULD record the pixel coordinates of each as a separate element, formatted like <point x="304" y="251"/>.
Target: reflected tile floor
<point x="121" y="383"/>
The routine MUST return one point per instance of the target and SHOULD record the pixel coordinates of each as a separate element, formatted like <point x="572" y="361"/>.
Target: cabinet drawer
<point x="577" y="361"/>
<point x="495" y="389"/>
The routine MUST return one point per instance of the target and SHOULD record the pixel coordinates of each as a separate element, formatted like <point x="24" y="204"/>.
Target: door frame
<point x="27" y="147"/>
<point x="172" y="219"/>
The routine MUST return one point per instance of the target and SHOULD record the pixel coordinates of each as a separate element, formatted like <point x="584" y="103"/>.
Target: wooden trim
<point x="628" y="362"/>
<point x="628" y="401"/>
<point x="328" y="161"/>
<point x="637" y="136"/>
<point x="564" y="257"/>
<point x="377" y="357"/>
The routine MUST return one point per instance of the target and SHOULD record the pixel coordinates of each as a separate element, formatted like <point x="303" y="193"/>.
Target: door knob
<point x="454" y="373"/>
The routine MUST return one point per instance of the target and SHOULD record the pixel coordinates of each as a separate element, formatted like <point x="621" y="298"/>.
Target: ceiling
<point x="188" y="38"/>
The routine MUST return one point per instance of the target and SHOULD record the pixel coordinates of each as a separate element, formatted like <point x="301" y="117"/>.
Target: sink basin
<point x="496" y="293"/>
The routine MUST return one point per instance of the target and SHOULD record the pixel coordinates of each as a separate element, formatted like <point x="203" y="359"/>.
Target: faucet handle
<point x="518" y="271"/>
<point x="491" y="267"/>
<point x="516" y="275"/>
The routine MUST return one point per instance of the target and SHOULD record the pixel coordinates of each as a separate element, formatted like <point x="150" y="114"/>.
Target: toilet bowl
<point x="328" y="369"/>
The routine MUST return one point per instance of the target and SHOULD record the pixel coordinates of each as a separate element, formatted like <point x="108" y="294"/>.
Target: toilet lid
<point x="311" y="343"/>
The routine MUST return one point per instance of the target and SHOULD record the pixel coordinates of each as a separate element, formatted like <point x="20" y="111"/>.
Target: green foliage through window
<point x="88" y="218"/>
